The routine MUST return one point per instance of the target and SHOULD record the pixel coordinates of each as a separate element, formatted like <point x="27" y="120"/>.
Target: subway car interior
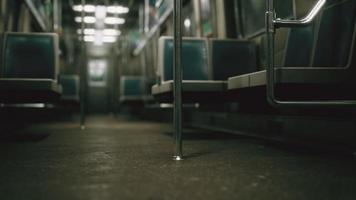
<point x="178" y="99"/>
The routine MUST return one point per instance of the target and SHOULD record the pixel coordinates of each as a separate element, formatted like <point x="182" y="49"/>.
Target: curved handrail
<point x="304" y="21"/>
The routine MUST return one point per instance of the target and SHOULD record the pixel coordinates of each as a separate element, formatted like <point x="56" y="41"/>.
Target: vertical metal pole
<point x="178" y="75"/>
<point x="270" y="29"/>
<point x="82" y="72"/>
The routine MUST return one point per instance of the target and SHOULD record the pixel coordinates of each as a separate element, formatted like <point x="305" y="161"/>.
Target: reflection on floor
<point x="120" y="159"/>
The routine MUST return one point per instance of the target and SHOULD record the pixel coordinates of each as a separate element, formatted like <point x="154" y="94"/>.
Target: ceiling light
<point x="87" y="8"/>
<point x="109" y="39"/>
<point x="87" y="20"/>
<point x="98" y="41"/>
<point x="110" y="9"/>
<point x="87" y="31"/>
<point x="88" y="38"/>
<point x="114" y="20"/>
<point x="111" y="32"/>
<point x="105" y="32"/>
<point x="117" y="9"/>
<point x="100" y="12"/>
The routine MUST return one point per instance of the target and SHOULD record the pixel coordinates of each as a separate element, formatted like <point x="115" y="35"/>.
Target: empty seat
<point x="30" y="68"/>
<point x="206" y="66"/>
<point x="232" y="58"/>
<point x="134" y="89"/>
<point x="70" y="88"/>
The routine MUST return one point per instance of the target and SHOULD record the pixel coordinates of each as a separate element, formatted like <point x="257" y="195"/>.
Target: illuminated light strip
<point x="109" y="39"/>
<point x="89" y="38"/>
<point x="111" y="32"/>
<point x="87" y="20"/>
<point x="105" y="32"/>
<point x="107" y="20"/>
<point x="87" y="8"/>
<point x="114" y="20"/>
<point x="87" y="31"/>
<point x="110" y="9"/>
<point x="105" y="39"/>
<point x="117" y="10"/>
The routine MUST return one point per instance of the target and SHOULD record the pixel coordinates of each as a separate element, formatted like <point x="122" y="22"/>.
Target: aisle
<point x="120" y="159"/>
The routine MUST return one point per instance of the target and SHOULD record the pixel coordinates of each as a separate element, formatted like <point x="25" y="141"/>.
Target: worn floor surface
<point x="119" y="159"/>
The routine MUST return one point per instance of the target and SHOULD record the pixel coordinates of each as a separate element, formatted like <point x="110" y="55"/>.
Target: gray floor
<point x="117" y="159"/>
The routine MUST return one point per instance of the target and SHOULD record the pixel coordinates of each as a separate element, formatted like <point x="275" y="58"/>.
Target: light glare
<point x="87" y="20"/>
<point x="87" y="8"/>
<point x="117" y="9"/>
<point x="114" y="20"/>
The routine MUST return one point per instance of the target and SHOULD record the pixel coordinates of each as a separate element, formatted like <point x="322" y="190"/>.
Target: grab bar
<point x="307" y="20"/>
<point x="271" y="25"/>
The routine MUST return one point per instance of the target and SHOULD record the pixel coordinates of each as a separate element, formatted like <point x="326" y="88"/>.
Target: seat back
<point x="335" y="34"/>
<point x="327" y="42"/>
<point x="232" y="58"/>
<point x="194" y="59"/>
<point x="70" y="85"/>
<point x="133" y="86"/>
<point x="33" y="55"/>
<point x="300" y="47"/>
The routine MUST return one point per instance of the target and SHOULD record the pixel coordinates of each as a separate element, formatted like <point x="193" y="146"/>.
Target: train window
<point x="28" y="55"/>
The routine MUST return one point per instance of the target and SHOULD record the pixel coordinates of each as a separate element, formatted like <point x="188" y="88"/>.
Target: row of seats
<point x="319" y="62"/>
<point x="30" y="70"/>
<point x="207" y="64"/>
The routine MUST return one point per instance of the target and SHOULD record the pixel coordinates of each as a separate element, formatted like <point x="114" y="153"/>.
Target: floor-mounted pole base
<point x="178" y="158"/>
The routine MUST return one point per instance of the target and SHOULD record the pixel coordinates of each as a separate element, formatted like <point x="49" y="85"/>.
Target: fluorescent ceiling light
<point x="109" y="39"/>
<point x="87" y="20"/>
<point x="117" y="9"/>
<point x="99" y="39"/>
<point x="89" y="38"/>
<point x="105" y="32"/>
<point x="87" y="8"/>
<point x="87" y="31"/>
<point x="114" y="20"/>
<point x="111" y="32"/>
<point x="110" y="9"/>
<point x="100" y="12"/>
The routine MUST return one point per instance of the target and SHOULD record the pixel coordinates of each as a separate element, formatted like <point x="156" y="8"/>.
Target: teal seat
<point x="134" y="88"/>
<point x="300" y="47"/>
<point x="30" y="56"/>
<point x="198" y="84"/>
<point x="232" y="58"/>
<point x="70" y="87"/>
<point x="194" y="59"/>
<point x="335" y="34"/>
<point x="30" y="68"/>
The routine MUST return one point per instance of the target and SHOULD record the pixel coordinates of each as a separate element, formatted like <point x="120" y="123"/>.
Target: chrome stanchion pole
<point x="82" y="72"/>
<point x="178" y="76"/>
